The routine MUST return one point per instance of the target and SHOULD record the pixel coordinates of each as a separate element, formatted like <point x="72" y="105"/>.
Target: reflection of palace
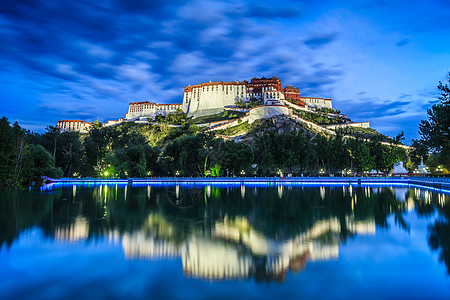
<point x="78" y="231"/>
<point x="234" y="250"/>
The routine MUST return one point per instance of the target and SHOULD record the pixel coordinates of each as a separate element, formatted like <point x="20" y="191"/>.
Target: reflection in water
<point x="78" y="231"/>
<point x="224" y="233"/>
<point x="233" y="249"/>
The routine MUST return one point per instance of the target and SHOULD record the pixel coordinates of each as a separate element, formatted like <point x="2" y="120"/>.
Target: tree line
<point x="146" y="150"/>
<point x="168" y="146"/>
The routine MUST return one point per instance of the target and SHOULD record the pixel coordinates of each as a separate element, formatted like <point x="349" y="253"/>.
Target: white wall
<point x="206" y="99"/>
<point x="359" y="124"/>
<point x="150" y="110"/>
<point x="267" y="111"/>
<point x="319" y="102"/>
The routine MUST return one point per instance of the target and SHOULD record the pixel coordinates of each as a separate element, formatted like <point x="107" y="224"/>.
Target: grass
<point x="319" y="118"/>
<point x="365" y="133"/>
<point x="235" y="130"/>
<point x="226" y="115"/>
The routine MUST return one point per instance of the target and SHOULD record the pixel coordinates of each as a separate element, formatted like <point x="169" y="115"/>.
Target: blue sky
<point x="380" y="61"/>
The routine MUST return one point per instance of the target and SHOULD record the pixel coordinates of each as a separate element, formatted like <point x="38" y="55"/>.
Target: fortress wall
<point x="228" y="124"/>
<point x="359" y="124"/>
<point x="267" y="111"/>
<point x="287" y="103"/>
<point x="312" y="125"/>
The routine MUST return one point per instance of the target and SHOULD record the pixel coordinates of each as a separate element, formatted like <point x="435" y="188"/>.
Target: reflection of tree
<point x="280" y="216"/>
<point x="439" y="234"/>
<point x="439" y="237"/>
<point x="20" y="210"/>
<point x="105" y="208"/>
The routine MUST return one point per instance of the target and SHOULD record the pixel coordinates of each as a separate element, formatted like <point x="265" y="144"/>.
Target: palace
<point x="74" y="125"/>
<point x="212" y="97"/>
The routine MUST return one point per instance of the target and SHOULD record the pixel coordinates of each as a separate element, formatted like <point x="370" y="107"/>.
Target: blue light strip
<point x="248" y="182"/>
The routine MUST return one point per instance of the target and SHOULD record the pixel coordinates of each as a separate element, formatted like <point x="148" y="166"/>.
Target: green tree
<point x="339" y="153"/>
<point x="50" y="139"/>
<point x="435" y="131"/>
<point x="265" y="152"/>
<point x="176" y="118"/>
<point x="322" y="150"/>
<point x="65" y="147"/>
<point x="419" y="152"/>
<point x="361" y="155"/>
<point x="21" y="161"/>
<point x="7" y="152"/>
<point x="95" y="147"/>
<point x="237" y="157"/>
<point x="38" y="162"/>
<point x="186" y="154"/>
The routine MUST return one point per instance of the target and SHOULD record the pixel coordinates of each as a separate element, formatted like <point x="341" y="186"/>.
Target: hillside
<point x="366" y="134"/>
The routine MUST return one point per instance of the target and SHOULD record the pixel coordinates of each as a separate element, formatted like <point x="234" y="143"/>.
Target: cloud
<point x="403" y="42"/>
<point x="262" y="11"/>
<point x="370" y="107"/>
<point x="319" y="41"/>
<point x="90" y="58"/>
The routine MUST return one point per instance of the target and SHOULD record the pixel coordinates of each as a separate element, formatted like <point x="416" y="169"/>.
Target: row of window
<point x="141" y="108"/>
<point x="220" y="87"/>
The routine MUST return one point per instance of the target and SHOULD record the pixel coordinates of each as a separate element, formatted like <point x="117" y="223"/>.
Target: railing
<point x="245" y="179"/>
<point x="432" y="179"/>
<point x="427" y="182"/>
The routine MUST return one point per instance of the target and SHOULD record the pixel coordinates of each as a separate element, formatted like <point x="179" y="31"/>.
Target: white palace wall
<point x="206" y="99"/>
<point x="319" y="102"/>
<point x="147" y="109"/>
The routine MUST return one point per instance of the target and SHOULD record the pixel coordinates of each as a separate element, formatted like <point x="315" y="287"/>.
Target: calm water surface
<point x="203" y="242"/>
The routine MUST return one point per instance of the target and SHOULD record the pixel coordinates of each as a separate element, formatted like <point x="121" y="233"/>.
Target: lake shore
<point x="437" y="182"/>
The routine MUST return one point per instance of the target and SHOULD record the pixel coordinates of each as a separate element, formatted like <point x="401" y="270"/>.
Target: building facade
<point x="74" y="126"/>
<point x="318" y="102"/>
<point x="212" y="97"/>
<point x="138" y="110"/>
<point x="292" y="94"/>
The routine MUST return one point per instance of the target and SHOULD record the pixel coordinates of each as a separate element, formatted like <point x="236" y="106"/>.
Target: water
<point x="203" y="242"/>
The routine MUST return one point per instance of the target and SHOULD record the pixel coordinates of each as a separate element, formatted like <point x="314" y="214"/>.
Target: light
<point x="177" y="173"/>
<point x="106" y="173"/>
